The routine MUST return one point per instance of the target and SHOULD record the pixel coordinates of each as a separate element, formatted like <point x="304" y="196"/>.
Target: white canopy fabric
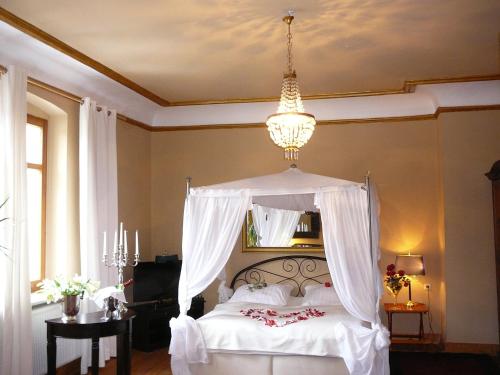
<point x="213" y="218"/>
<point x="290" y="182"/>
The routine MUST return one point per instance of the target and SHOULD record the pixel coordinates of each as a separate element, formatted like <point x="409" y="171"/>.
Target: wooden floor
<point x="155" y="363"/>
<point x="402" y="363"/>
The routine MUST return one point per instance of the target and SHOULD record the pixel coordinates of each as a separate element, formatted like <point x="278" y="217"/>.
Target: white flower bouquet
<point x="55" y="290"/>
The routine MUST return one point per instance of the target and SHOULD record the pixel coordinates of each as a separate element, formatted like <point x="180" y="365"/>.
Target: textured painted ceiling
<point x="221" y="49"/>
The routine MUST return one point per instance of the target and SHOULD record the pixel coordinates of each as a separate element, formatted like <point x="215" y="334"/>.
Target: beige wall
<point x="471" y="143"/>
<point x="133" y="149"/>
<point x="134" y="185"/>
<point x="401" y="157"/>
<point x="435" y="200"/>
<point x="134" y="181"/>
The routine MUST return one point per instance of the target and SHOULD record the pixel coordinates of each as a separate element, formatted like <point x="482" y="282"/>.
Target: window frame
<point x="42" y="123"/>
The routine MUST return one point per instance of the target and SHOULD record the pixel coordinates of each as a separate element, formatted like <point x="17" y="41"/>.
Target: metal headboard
<point x="295" y="270"/>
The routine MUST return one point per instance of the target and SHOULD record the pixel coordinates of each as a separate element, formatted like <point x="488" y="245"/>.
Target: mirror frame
<point x="245" y="249"/>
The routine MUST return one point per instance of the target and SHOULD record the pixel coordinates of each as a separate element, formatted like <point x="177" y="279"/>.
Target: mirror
<point x="278" y="230"/>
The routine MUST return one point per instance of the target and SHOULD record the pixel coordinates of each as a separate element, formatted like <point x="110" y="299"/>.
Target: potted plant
<point x="68" y="290"/>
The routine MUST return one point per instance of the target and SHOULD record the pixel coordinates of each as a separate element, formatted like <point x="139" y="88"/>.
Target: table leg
<point x="389" y="319"/>
<point x="51" y="352"/>
<point x="421" y="328"/>
<point x="95" y="355"/>
<point x="123" y="344"/>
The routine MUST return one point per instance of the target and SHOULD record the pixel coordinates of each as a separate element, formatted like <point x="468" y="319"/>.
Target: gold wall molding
<point x="37" y="33"/>
<point x="433" y="116"/>
<point x="59" y="45"/>
<point x="408" y="87"/>
<point x="76" y="98"/>
<point x="152" y="128"/>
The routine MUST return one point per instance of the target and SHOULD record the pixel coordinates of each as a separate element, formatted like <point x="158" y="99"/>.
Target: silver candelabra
<point x="120" y="259"/>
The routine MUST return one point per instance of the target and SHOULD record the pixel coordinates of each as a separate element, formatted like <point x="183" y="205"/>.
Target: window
<point x="36" y="163"/>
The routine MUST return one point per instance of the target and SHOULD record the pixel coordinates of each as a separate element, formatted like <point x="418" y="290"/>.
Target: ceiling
<point x="226" y="49"/>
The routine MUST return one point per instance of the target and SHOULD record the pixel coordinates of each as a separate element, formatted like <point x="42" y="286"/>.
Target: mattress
<point x="230" y="329"/>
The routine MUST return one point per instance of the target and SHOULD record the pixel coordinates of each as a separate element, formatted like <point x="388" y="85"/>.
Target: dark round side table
<point x="90" y="326"/>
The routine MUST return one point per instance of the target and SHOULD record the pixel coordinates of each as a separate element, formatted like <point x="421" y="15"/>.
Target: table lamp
<point x="413" y="265"/>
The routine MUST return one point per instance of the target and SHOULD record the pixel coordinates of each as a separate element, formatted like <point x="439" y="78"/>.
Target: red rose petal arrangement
<point x="272" y="318"/>
<point x="395" y="281"/>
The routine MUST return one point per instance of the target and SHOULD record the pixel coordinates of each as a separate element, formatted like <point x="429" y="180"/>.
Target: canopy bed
<point x="355" y="341"/>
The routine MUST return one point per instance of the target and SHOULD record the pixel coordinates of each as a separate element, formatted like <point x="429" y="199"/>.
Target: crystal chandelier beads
<point x="290" y="127"/>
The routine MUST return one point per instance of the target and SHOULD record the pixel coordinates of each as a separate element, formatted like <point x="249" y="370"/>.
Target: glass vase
<point x="71" y="308"/>
<point x="394" y="291"/>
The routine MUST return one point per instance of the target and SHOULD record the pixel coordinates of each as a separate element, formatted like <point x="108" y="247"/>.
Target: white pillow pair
<point x="279" y="294"/>
<point x="320" y="295"/>
<point x="272" y="294"/>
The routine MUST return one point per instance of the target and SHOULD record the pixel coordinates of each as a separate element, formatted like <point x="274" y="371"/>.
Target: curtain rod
<point x="60" y="92"/>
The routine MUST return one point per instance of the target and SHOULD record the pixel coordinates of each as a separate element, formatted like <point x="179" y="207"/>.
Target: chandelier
<point x="290" y="127"/>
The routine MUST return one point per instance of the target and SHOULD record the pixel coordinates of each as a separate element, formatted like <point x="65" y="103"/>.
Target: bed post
<point x="188" y="185"/>
<point x="367" y="185"/>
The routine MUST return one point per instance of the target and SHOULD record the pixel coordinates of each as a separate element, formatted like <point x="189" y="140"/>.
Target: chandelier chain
<point x="289" y="45"/>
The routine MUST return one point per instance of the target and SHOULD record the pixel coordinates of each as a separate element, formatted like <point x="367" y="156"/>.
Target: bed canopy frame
<point x="213" y="218"/>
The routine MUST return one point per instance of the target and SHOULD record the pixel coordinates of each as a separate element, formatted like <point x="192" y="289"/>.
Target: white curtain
<point x="210" y="230"/>
<point x="98" y="206"/>
<point x="346" y="234"/>
<point x="275" y="227"/>
<point x="15" y="305"/>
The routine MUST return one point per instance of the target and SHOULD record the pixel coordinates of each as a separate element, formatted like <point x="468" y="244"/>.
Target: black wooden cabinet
<point x="150" y="328"/>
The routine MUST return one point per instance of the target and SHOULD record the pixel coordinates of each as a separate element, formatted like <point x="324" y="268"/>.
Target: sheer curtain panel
<point x="15" y="289"/>
<point x="346" y="223"/>
<point x="98" y="205"/>
<point x="210" y="230"/>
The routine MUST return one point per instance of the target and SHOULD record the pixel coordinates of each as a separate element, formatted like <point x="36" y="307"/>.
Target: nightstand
<point x="401" y="308"/>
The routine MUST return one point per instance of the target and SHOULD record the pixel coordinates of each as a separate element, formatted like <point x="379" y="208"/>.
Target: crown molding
<point x="77" y="99"/>
<point x="409" y="86"/>
<point x="439" y="110"/>
<point x="433" y="116"/>
<point x="151" y="128"/>
<point x="59" y="45"/>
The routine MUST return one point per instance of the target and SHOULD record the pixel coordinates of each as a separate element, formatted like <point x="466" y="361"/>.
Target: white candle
<point x="125" y="246"/>
<point x="104" y="250"/>
<point x="121" y="234"/>
<point x="136" y="242"/>
<point x="115" y="243"/>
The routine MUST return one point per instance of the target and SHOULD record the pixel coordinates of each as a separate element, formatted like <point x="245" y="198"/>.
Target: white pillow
<point x="272" y="294"/>
<point x="320" y="295"/>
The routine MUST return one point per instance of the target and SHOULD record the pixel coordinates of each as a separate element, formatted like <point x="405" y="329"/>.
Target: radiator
<point x="67" y="349"/>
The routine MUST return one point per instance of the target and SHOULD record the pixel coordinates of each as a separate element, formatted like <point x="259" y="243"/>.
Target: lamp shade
<point x="413" y="265"/>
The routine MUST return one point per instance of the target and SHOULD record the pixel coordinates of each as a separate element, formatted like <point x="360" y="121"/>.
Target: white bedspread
<point x="226" y="329"/>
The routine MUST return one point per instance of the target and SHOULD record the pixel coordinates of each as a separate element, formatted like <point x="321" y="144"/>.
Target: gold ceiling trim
<point x="408" y="87"/>
<point x="151" y="128"/>
<point x="59" y="45"/>
<point x="37" y="33"/>
<point x="76" y="99"/>
<point x="432" y="116"/>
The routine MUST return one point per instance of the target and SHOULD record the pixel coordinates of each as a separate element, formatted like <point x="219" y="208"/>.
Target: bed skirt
<point x="264" y="364"/>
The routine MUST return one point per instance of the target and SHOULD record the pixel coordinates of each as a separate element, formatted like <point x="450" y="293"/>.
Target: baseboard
<point x="463" y="347"/>
<point x="430" y="343"/>
<point x="71" y="368"/>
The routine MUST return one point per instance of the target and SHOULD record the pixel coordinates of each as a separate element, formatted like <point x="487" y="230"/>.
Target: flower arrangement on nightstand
<point x="395" y="281"/>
